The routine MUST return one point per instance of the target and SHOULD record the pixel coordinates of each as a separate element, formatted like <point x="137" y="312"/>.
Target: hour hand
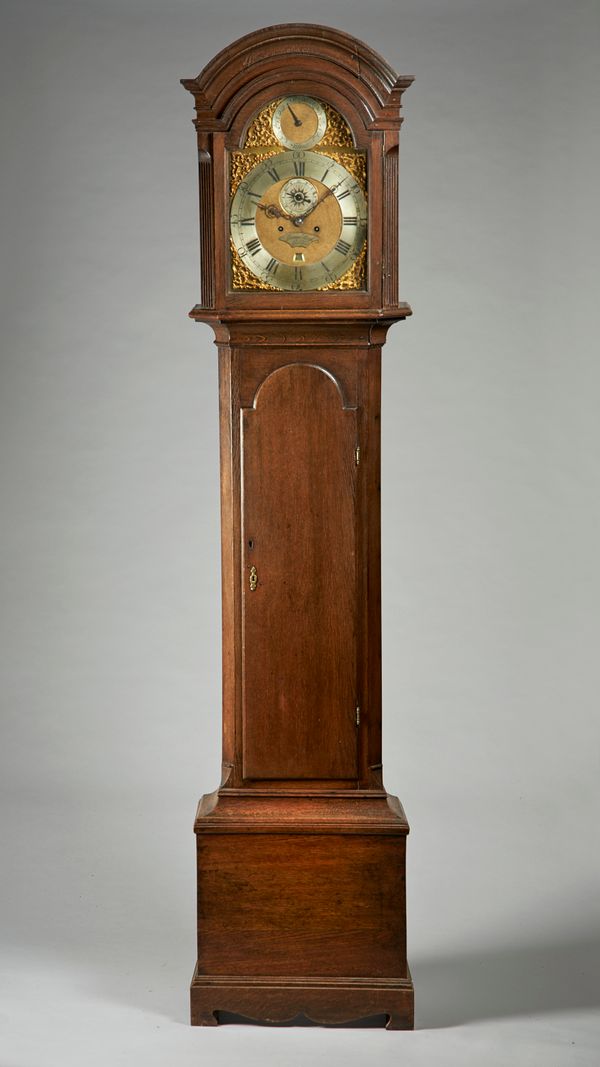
<point x="273" y="212"/>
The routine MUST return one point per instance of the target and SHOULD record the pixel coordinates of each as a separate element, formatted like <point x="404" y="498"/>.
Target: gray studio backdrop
<point x="110" y="639"/>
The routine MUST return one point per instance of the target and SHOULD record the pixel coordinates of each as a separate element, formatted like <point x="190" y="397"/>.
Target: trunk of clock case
<point x="301" y="853"/>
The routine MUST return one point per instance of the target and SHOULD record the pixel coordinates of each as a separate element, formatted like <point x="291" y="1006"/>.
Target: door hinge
<point x="357" y="454"/>
<point x="358" y="715"/>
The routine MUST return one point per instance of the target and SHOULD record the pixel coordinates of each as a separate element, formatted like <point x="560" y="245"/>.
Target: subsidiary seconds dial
<point x="299" y="122"/>
<point x="299" y="220"/>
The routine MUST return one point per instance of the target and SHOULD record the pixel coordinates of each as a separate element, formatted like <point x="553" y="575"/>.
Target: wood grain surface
<point x="301" y="851"/>
<point x="299" y="664"/>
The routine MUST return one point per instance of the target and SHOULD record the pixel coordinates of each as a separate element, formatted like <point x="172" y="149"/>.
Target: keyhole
<point x="250" y="543"/>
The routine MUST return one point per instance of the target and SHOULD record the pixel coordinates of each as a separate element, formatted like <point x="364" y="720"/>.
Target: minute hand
<point x="329" y="192"/>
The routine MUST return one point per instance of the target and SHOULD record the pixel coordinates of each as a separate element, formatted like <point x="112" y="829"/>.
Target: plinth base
<point x="326" y="1001"/>
<point x="301" y="908"/>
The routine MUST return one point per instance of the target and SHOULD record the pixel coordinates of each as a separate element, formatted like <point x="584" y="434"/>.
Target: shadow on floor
<point x="506" y="981"/>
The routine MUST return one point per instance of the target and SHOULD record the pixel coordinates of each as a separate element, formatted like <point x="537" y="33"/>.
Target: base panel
<point x="301" y="909"/>
<point x="324" y="1001"/>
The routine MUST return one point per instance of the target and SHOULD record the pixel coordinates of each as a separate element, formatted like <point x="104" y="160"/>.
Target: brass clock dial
<point x="299" y="122"/>
<point x="298" y="220"/>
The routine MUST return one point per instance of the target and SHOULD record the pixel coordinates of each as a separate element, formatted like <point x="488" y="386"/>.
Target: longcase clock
<point x="301" y="851"/>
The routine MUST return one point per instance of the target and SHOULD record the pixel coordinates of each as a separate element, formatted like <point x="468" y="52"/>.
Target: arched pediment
<point x="347" y="64"/>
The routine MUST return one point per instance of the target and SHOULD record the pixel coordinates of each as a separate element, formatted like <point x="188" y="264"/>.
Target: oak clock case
<point x="301" y="851"/>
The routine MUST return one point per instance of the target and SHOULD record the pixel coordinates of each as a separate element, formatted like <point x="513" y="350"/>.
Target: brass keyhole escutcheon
<point x="253" y="579"/>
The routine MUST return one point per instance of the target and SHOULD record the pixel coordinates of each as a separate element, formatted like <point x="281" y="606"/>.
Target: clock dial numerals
<point x="299" y="122"/>
<point x="287" y="222"/>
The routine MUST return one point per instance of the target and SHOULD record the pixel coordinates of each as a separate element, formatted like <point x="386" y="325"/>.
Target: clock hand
<point x="297" y="121"/>
<point x="273" y="212"/>
<point x="301" y="218"/>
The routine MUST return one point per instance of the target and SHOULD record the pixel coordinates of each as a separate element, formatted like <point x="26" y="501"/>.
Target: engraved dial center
<point x="298" y="196"/>
<point x="306" y="229"/>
